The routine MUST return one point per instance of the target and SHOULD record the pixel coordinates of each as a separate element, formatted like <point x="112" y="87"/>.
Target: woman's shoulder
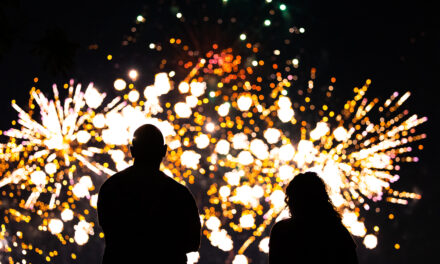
<point x="283" y="225"/>
<point x="286" y="234"/>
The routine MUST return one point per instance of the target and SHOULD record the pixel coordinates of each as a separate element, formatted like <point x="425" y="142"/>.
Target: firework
<point x="239" y="146"/>
<point x="49" y="173"/>
<point x="229" y="140"/>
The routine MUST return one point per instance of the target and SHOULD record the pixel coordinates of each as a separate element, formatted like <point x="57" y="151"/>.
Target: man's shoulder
<point x="116" y="179"/>
<point x="175" y="187"/>
<point x="285" y="222"/>
<point x="172" y="183"/>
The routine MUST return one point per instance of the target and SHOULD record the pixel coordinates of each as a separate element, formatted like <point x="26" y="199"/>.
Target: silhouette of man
<point x="146" y="216"/>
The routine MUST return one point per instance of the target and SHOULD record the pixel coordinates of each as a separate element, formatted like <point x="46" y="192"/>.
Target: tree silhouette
<point x="56" y="51"/>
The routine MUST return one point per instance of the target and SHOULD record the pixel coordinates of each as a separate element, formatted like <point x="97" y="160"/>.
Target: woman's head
<point x="306" y="196"/>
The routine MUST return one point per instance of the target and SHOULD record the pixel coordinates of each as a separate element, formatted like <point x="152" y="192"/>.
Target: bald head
<point x="148" y="145"/>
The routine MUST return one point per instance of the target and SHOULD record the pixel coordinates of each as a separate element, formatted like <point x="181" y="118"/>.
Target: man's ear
<point x="164" y="150"/>
<point x="132" y="151"/>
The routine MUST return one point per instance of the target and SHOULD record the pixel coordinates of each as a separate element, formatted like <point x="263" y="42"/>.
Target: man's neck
<point x="145" y="165"/>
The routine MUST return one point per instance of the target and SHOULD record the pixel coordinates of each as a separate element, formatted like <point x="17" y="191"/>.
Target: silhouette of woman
<point x="314" y="233"/>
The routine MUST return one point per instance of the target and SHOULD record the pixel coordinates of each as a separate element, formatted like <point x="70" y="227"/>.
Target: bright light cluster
<point x="243" y="144"/>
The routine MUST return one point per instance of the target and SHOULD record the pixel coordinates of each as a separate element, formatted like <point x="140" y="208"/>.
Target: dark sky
<point x="394" y="44"/>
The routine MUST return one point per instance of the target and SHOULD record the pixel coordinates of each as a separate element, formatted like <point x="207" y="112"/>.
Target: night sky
<point x="394" y="45"/>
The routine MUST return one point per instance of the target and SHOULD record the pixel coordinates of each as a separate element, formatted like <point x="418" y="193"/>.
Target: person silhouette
<point x="146" y="216"/>
<point x="314" y="233"/>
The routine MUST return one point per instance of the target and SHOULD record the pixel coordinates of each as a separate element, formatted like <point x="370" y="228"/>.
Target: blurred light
<point x="240" y="141"/>
<point x="190" y="159"/>
<point x="83" y="136"/>
<point x="272" y="135"/>
<point x="233" y="177"/>
<point x="133" y="74"/>
<point x="244" y="102"/>
<point x="245" y="158"/>
<point x="213" y="223"/>
<point x="202" y="141"/>
<point x="321" y="130"/>
<point x="192" y="257"/>
<point x="221" y="239"/>
<point x="247" y="221"/>
<point x="55" y="226"/>
<point x="240" y="259"/>
<point x="284" y="102"/>
<point x="285" y="173"/>
<point x="133" y="96"/>
<point x="370" y="241"/>
<point x="340" y="134"/>
<point x="86" y="181"/>
<point x="277" y="200"/>
<point x="50" y="168"/>
<point x="161" y="83"/>
<point x="120" y="84"/>
<point x="259" y="149"/>
<point x="223" y="109"/>
<point x="93" y="97"/>
<point x="140" y="18"/>
<point x="81" y="237"/>
<point x="191" y="101"/>
<point x="222" y="147"/>
<point x="210" y="127"/>
<point x="80" y="190"/>
<point x="197" y="88"/>
<point x="224" y="191"/>
<point x="99" y="121"/>
<point x="67" y="215"/>
<point x="38" y="178"/>
<point x="286" y="152"/>
<point x="183" y="110"/>
<point x="264" y="245"/>
<point x="183" y="87"/>
<point x="349" y="219"/>
<point x="257" y="191"/>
